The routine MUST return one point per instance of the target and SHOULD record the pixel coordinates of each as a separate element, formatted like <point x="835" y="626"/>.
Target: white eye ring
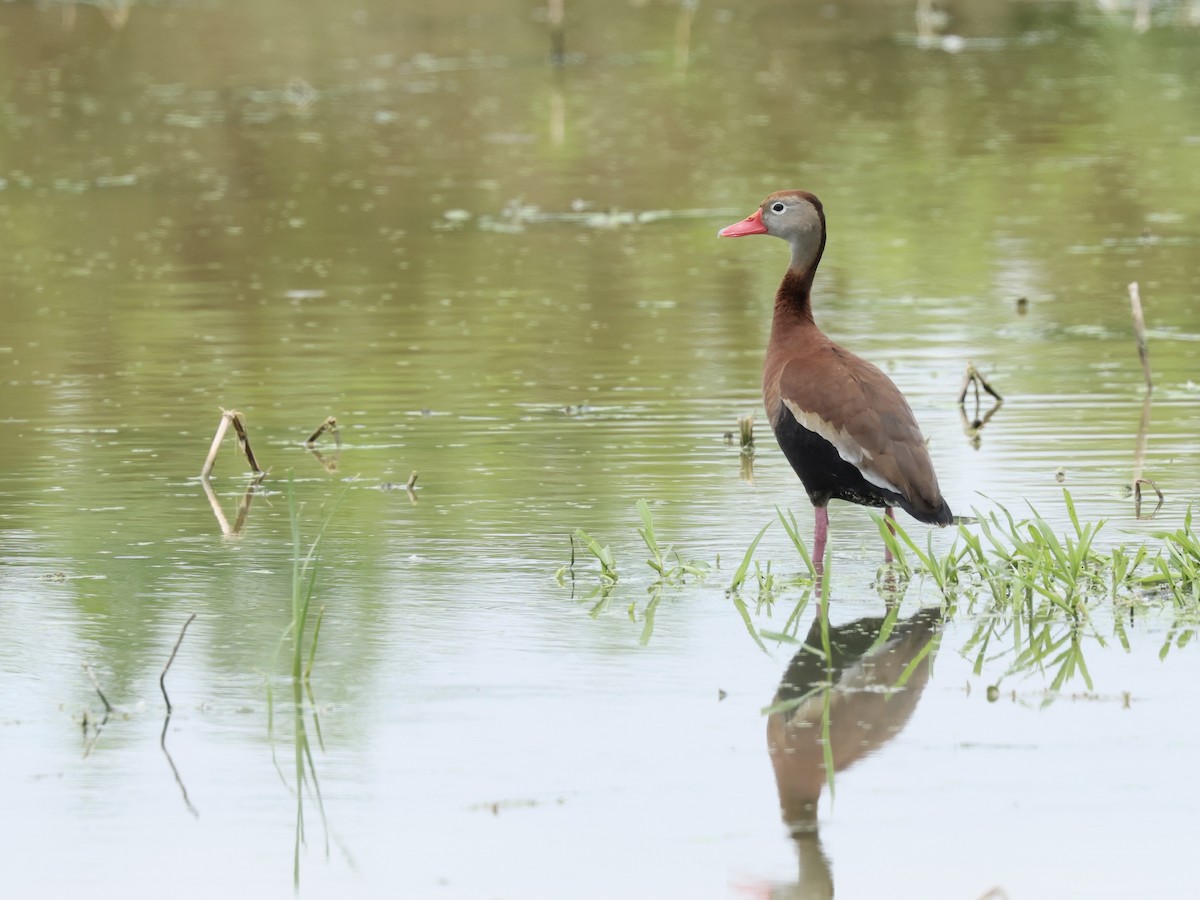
<point x="777" y="207"/>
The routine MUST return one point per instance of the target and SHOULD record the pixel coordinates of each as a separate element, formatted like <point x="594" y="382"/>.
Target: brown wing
<point x="857" y="408"/>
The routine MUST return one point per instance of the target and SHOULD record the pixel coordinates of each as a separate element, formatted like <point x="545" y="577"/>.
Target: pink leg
<point x="891" y="517"/>
<point x="820" y="535"/>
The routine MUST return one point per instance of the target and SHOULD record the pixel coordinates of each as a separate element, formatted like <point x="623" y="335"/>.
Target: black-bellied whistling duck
<point x="842" y="424"/>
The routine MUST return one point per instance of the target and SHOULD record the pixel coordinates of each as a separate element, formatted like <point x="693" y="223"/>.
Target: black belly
<point x="825" y="475"/>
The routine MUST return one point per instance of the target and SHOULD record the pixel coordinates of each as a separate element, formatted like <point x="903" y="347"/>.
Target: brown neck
<point x="793" y="300"/>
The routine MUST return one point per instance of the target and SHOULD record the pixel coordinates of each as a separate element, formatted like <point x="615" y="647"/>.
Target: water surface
<point x="502" y="274"/>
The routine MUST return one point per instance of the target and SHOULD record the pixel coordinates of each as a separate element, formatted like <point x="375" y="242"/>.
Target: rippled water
<point x="503" y="276"/>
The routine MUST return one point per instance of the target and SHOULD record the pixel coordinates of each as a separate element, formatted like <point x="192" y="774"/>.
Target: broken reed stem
<point x="229" y="416"/>
<point x="1139" y="333"/>
<point x="162" y="679"/>
<point x="108" y="707"/>
<point x="329" y="424"/>
<point x="972" y="377"/>
<point x="222" y="427"/>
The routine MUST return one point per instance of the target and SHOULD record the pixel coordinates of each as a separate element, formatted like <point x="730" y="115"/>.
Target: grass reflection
<point x="304" y="768"/>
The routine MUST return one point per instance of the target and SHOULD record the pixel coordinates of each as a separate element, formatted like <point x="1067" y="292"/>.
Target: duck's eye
<point x="777" y="207"/>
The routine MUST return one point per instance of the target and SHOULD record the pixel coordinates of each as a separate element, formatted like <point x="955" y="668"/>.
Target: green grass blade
<point x="312" y="652"/>
<point x="793" y="532"/>
<point x="740" y="575"/>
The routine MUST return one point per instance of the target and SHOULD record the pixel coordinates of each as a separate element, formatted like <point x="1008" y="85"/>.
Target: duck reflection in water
<point x="865" y="708"/>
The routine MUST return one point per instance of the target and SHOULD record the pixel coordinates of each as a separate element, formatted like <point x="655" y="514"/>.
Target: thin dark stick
<point x="244" y="442"/>
<point x="162" y="679"/>
<point x="1137" y="498"/>
<point x="571" y="564"/>
<point x="108" y="707"/>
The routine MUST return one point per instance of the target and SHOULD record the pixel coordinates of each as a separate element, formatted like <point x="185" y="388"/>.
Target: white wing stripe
<point x="848" y="448"/>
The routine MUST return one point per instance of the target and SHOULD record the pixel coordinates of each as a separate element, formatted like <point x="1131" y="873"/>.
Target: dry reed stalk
<point x="1139" y="333"/>
<point x="972" y="377"/>
<point x="228" y="417"/>
<point x="329" y="424"/>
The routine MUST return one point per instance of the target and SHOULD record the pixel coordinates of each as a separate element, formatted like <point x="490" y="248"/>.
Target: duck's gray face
<point x="794" y="216"/>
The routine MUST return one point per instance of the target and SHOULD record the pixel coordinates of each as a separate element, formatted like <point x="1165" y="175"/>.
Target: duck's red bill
<point x="749" y="225"/>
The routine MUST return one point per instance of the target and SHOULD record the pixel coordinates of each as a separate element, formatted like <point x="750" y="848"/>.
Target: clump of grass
<point x="670" y="568"/>
<point x="1039" y="586"/>
<point x="1014" y="559"/>
<point x="608" y="567"/>
<point x="667" y="564"/>
<point x="1042" y="588"/>
<point x="944" y="571"/>
<point x="670" y="571"/>
<point x="1033" y="590"/>
<point x="1179" y="572"/>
